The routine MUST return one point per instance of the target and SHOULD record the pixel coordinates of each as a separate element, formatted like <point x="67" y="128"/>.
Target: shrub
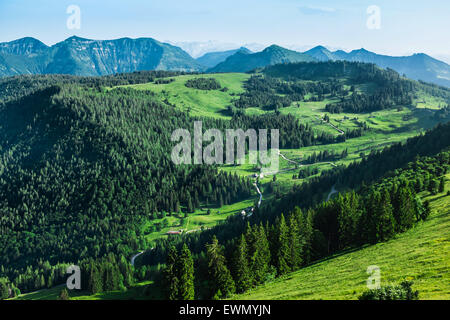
<point x="400" y="292"/>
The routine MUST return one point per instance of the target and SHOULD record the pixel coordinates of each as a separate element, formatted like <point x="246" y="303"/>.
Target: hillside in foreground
<point x="420" y="254"/>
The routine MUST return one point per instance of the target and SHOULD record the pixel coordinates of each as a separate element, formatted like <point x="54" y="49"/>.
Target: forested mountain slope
<point x="243" y="61"/>
<point x="418" y="66"/>
<point x="82" y="168"/>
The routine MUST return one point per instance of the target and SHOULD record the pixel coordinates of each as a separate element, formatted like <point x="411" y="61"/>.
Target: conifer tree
<point x="170" y="275"/>
<point x="283" y="251"/>
<point x="382" y="216"/>
<point x="219" y="275"/>
<point x="404" y="209"/>
<point x="295" y="243"/>
<point x="241" y="270"/>
<point x="185" y="270"/>
<point x="262" y="256"/>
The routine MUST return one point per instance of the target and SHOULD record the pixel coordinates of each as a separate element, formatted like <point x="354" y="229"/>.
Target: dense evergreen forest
<point x="356" y="176"/>
<point x="83" y="167"/>
<point x="263" y="251"/>
<point x="85" y="163"/>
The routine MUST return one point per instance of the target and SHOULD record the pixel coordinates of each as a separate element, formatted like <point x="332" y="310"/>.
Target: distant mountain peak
<point x="274" y="47"/>
<point x="274" y="54"/>
<point x="321" y="48"/>
<point x="23" y="46"/>
<point x="360" y="51"/>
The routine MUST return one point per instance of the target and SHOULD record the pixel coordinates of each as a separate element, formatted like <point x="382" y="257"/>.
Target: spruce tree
<point x="219" y="275"/>
<point x="261" y="261"/>
<point x="241" y="270"/>
<point x="295" y="243"/>
<point x="382" y="213"/>
<point x="170" y="275"/>
<point x="404" y="209"/>
<point x="283" y="251"/>
<point x="185" y="270"/>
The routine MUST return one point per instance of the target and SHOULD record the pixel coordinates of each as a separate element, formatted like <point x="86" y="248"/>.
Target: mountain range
<point x="78" y="56"/>
<point x="212" y="59"/>
<point x="243" y="61"/>
<point x="417" y="66"/>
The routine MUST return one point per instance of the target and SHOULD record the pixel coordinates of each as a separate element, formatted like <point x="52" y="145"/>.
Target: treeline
<point x="391" y="89"/>
<point x="203" y="84"/>
<point x="442" y="114"/>
<point x="271" y="93"/>
<point x="388" y="96"/>
<point x="12" y="88"/>
<point x="376" y="213"/>
<point x="325" y="155"/>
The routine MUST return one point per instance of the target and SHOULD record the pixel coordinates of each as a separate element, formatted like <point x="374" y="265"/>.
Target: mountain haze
<point x="243" y="62"/>
<point x="85" y="57"/>
<point x="78" y="56"/>
<point x="418" y="66"/>
<point x="212" y="59"/>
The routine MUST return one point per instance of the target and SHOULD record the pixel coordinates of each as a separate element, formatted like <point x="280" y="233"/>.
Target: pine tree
<point x="295" y="243"/>
<point x="95" y="280"/>
<point x="170" y="275"/>
<point x="241" y="270"/>
<point x="306" y="231"/>
<point x="185" y="270"/>
<point x="381" y="211"/>
<point x="404" y="210"/>
<point x="262" y="256"/>
<point x="219" y="274"/>
<point x="283" y="251"/>
<point x="348" y="214"/>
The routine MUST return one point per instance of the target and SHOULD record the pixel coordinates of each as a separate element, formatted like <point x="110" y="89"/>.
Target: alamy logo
<point x="74" y="20"/>
<point x="235" y="141"/>
<point x="374" y="280"/>
<point x="374" y="19"/>
<point x="74" y="281"/>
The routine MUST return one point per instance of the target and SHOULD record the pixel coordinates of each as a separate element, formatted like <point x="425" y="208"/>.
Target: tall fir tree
<point x="185" y="270"/>
<point x="295" y="243"/>
<point x="241" y="270"/>
<point x="283" y="250"/>
<point x="170" y="275"/>
<point x="219" y="274"/>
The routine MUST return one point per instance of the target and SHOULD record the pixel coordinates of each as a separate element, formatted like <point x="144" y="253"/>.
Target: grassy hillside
<point x="420" y="254"/>
<point x="205" y="103"/>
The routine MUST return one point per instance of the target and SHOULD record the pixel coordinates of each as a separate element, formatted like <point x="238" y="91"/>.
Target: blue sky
<point x="406" y="26"/>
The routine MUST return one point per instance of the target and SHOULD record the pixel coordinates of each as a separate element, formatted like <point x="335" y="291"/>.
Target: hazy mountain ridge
<point x="212" y="59"/>
<point x="241" y="62"/>
<point x="78" y="56"/>
<point x="417" y="66"/>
